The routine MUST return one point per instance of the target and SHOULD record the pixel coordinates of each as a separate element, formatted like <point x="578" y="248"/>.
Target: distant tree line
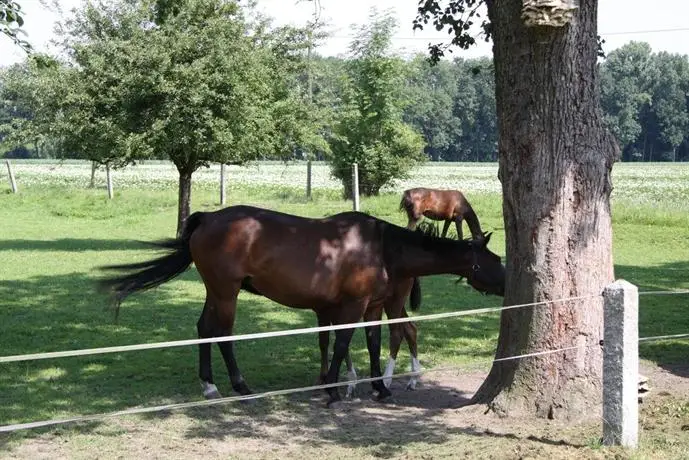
<point x="644" y="96"/>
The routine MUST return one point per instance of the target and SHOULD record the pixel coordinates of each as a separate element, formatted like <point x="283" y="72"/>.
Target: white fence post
<point x="308" y="179"/>
<point x="621" y="365"/>
<point x="13" y="183"/>
<point x="222" y="184"/>
<point x="355" y="185"/>
<point x="108" y="177"/>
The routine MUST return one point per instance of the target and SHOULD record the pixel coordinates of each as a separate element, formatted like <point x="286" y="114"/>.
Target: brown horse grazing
<point x="350" y="265"/>
<point x="435" y="204"/>
<point x="444" y="205"/>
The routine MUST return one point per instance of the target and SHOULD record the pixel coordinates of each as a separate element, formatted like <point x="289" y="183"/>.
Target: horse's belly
<point x="434" y="215"/>
<point x="292" y="295"/>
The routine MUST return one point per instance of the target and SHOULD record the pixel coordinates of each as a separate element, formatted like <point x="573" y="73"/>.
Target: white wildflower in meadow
<point x="656" y="184"/>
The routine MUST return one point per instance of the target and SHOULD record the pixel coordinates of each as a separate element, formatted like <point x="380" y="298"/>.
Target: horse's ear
<point x="486" y="238"/>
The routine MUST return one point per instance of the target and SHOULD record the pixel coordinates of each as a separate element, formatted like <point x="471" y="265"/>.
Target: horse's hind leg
<point x="323" y="342"/>
<point x="224" y="315"/>
<point x="373" y="345"/>
<point x="210" y="391"/>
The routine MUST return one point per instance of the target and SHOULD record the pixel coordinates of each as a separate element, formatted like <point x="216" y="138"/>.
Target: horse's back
<point x="436" y="204"/>
<point x="291" y="259"/>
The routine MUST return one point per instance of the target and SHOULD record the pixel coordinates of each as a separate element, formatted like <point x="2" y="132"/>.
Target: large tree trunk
<point x="555" y="163"/>
<point x="184" y="200"/>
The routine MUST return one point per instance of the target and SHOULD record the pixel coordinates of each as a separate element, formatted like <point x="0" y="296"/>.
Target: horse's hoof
<point x="210" y="391"/>
<point x="387" y="382"/>
<point x="411" y="385"/>
<point x="383" y="395"/>
<point x="213" y="395"/>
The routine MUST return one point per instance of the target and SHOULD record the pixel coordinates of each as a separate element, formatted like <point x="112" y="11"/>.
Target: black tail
<point x="141" y="276"/>
<point x="415" y="295"/>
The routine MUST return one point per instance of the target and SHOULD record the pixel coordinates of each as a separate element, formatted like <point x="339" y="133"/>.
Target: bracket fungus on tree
<point x="550" y="13"/>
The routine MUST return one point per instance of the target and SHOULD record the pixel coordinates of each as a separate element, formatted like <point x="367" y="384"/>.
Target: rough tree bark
<point x="555" y="163"/>
<point x="184" y="199"/>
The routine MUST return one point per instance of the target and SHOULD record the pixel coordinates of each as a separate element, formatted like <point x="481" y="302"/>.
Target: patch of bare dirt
<point x="427" y="423"/>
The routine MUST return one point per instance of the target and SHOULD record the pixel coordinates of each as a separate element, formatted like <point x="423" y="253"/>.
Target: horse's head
<point x="487" y="271"/>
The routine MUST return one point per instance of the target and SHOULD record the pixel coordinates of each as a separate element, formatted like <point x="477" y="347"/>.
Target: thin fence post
<point x="355" y="185"/>
<point x="108" y="177"/>
<point x="13" y="183"/>
<point x="222" y="184"/>
<point x="308" y="179"/>
<point x="621" y="365"/>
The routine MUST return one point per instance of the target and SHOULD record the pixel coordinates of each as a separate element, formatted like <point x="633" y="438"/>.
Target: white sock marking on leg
<point x="389" y="370"/>
<point x="413" y="380"/>
<point x="351" y="375"/>
<point x="209" y="389"/>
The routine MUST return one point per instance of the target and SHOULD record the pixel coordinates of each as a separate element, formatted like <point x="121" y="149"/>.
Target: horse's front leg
<point x="446" y="227"/>
<point x="351" y="375"/>
<point x="349" y="312"/>
<point x="342" y="339"/>
<point x="410" y="334"/>
<point x="458" y="224"/>
<point x="394" y="308"/>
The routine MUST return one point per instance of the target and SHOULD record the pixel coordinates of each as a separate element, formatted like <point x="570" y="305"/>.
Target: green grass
<point x="53" y="237"/>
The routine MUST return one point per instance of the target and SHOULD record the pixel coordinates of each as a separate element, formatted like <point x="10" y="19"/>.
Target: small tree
<point x="195" y="81"/>
<point x="371" y="131"/>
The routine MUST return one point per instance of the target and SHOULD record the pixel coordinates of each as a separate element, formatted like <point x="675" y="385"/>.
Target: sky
<point x="663" y="25"/>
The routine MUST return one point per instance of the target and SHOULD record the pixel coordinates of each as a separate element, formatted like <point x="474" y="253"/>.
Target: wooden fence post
<point x="308" y="179"/>
<point x="621" y="365"/>
<point x="222" y="184"/>
<point x="13" y="183"/>
<point x="355" y="185"/>
<point x="108" y="177"/>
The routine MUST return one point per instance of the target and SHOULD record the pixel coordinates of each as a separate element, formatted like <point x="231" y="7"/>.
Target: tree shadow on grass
<point x="662" y="314"/>
<point x="63" y="312"/>
<point x="71" y="245"/>
<point x="388" y="428"/>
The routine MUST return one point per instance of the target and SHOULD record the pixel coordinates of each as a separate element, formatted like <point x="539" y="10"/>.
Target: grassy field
<point x="56" y="231"/>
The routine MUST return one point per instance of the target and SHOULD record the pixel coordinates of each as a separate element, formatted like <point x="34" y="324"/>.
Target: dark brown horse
<point x="444" y="205"/>
<point x="350" y="265"/>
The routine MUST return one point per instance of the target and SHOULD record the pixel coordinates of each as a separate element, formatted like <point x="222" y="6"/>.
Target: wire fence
<point x="202" y="403"/>
<point x="282" y="333"/>
<point x="266" y="394"/>
<point x="672" y="292"/>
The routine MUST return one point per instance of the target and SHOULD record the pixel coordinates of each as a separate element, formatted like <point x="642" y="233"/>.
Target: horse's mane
<point x="426" y="236"/>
